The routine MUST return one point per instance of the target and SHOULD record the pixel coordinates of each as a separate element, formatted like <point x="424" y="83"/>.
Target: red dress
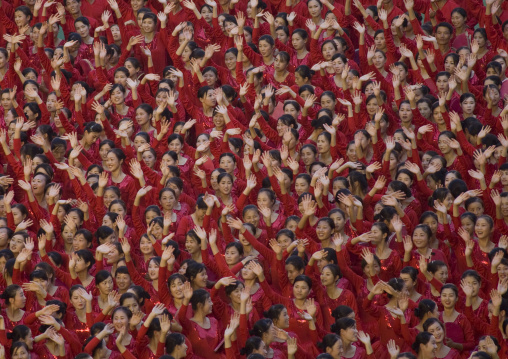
<point x="204" y="341"/>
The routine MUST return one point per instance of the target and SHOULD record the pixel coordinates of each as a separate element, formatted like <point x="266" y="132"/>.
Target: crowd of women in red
<point x="279" y="179"/>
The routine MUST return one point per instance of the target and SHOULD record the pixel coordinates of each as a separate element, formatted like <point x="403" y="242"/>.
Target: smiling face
<point x="200" y="281"/>
<point x="120" y="320"/>
<point x="153" y="270"/>
<point x="483" y="228"/>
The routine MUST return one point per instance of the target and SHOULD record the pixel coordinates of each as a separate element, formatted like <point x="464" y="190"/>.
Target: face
<point x="120" y="320"/>
<point x="265" y="48"/>
<point x="379" y="60"/>
<point x="425" y="110"/>
<point x="443" y="35"/>
<point x="191" y="245"/>
<point x="292" y="273"/>
<point x="77" y="301"/>
<point x="131" y="304"/>
<point x="328" y="51"/>
<point x="168" y="200"/>
<point x="314" y="8"/>
<point x="349" y="334"/>
<point x="123" y="281"/>
<point x="200" y="281"/>
<point x="380" y="41"/>
<point x="225" y="185"/>
<point x="106" y="286"/>
<point x="448" y="298"/>
<point x="482" y="228"/>
<point x="119" y="78"/>
<point x="117" y="96"/>
<point x="227" y="164"/>
<point x="38" y="183"/>
<point x="458" y="20"/>
<point x="118" y="209"/>
<point x="112" y="162"/>
<point x="17" y="243"/>
<point x="210" y="78"/>
<point x="336" y="351"/>
<point x="442" y="83"/>
<point x="176" y="288"/>
<point x="137" y="4"/>
<point x="153" y="270"/>
<point x="420" y="238"/>
<point x="148" y="25"/>
<point x="145" y="246"/>
<point x="308" y="156"/>
<point x="327" y="277"/>
<point x="20" y="353"/>
<point x="301" y="290"/>
<point x="442" y="274"/>
<point x="430" y="348"/>
<point x="282" y="36"/>
<point x="323" y="230"/>
<point x="82" y="29"/>
<point x="19" y="300"/>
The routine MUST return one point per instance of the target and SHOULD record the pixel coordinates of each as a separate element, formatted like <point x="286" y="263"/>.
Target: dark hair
<point x="172" y="340"/>
<point x="253" y="343"/>
<point x="342" y="324"/>
<point x="430" y="322"/>
<point x="261" y="327"/>
<point x="19" y="332"/>
<point x="424" y="307"/>
<point x="421" y="338"/>
<point x="329" y="341"/>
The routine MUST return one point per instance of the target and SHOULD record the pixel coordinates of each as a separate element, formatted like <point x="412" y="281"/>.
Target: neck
<point x="120" y="106"/>
<point x="449" y="155"/>
<point x="83" y="275"/>
<point x="326" y="243"/>
<point x="346" y="344"/>
<point x="449" y="311"/>
<point x="199" y="316"/>
<point x="197" y="256"/>
<point x="249" y="283"/>
<point x="439" y="346"/>
<point x="76" y="15"/>
<point x="81" y="311"/>
<point x="69" y="248"/>
<point x="236" y="306"/>
<point x="149" y="36"/>
<point x="117" y="172"/>
<point x="444" y="48"/>
<point x="268" y="58"/>
<point x="483" y="242"/>
<point x="299" y="302"/>
<point x="40" y="198"/>
<point x="223" y="196"/>
<point x="154" y="340"/>
<point x="381" y="246"/>
<point x="146" y="127"/>
<point x="423" y="250"/>
<point x="331" y="289"/>
<point x="301" y="51"/>
<point x="12" y="310"/>
<point x="317" y="19"/>
<point x="178" y="302"/>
